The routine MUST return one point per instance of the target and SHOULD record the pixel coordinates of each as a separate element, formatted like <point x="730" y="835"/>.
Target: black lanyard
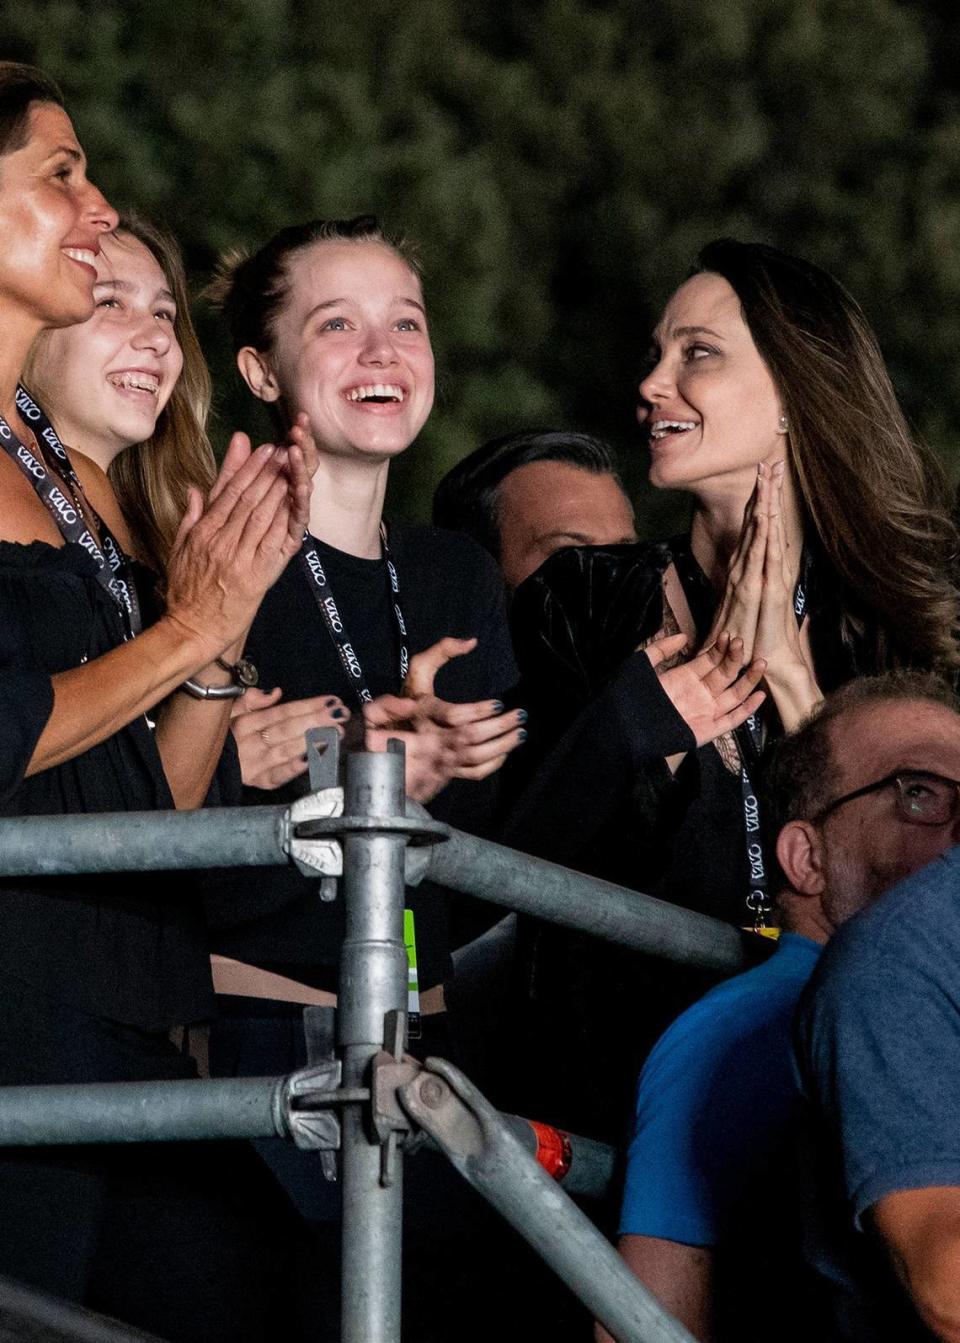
<point x="749" y="736"/>
<point x="113" y="568"/>
<point x="322" y="591"/>
<point x="750" y="742"/>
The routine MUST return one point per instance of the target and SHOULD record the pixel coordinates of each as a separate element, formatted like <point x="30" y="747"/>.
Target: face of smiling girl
<point x="351" y="348"/>
<point x="709" y="406"/>
<point x="105" y="382"/>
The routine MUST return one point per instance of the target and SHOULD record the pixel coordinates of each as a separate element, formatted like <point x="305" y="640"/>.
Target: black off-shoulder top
<point x="127" y="947"/>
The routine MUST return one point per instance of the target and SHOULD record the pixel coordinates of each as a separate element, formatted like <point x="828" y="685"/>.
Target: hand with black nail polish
<point x="270" y="733"/>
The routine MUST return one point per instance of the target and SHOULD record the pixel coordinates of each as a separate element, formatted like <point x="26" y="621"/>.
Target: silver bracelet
<point x="198" y="691"/>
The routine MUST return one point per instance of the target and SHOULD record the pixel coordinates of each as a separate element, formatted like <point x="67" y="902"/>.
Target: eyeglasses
<point x="922" y="799"/>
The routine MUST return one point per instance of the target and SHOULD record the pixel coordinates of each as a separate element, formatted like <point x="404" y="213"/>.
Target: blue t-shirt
<point x="878" y="1040"/>
<point x="714" y="1105"/>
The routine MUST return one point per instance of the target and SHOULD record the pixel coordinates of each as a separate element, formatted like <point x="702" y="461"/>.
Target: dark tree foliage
<point x="560" y="163"/>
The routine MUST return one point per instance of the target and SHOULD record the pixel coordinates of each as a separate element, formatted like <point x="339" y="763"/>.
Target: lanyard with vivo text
<point x="113" y="567"/>
<point x="749" y="736"/>
<point x="319" y="585"/>
<point x="323" y="595"/>
<point x="750" y="741"/>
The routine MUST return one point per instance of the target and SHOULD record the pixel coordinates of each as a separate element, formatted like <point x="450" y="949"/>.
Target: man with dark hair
<point x="527" y="495"/>
<point x="710" y="1212"/>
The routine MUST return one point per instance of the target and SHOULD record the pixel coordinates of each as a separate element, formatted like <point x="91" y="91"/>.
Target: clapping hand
<point x="270" y="732"/>
<point x="300" y="435"/>
<point x="443" y="740"/>
<point x="713" y="693"/>
<point x="757" y="602"/>
<point x="232" y="546"/>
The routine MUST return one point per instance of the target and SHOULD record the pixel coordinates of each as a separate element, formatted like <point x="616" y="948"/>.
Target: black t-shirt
<point x="448" y="586"/>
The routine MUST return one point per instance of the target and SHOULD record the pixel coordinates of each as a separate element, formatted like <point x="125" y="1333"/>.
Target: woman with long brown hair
<point x="130" y="390"/>
<point x="821" y="532"/>
<point x="821" y="536"/>
<point x="153" y="483"/>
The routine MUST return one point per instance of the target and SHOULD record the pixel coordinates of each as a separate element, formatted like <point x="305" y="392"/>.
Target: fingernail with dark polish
<point x="338" y="713"/>
<point x="329" y="703"/>
<point x="522" y="715"/>
<point x="496" y="705"/>
<point x="522" y="735"/>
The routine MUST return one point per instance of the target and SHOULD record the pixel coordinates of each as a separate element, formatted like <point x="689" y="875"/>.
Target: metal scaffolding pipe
<point x="142" y="841"/>
<point x="373" y="983"/>
<point x="483" y="1149"/>
<point x="27" y="1315"/>
<point x="141" y="1111"/>
<point x="486" y="1147"/>
<point x="533" y="886"/>
<point x="188" y="1111"/>
<point x="592" y="1163"/>
<point x="256" y="836"/>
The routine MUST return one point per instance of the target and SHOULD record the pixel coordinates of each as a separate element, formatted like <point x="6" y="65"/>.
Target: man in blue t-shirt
<point x="710" y="1217"/>
<point x="879" y="1049"/>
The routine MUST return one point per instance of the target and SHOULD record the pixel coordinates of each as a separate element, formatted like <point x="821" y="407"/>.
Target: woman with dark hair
<point x="821" y="536"/>
<point x="96" y="971"/>
<point x="330" y="316"/>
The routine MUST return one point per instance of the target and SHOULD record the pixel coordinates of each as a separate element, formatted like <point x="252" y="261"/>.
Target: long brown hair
<point x="876" y="498"/>
<point x="152" y="478"/>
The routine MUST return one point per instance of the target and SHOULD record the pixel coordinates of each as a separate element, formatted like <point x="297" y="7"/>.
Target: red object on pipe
<point x="553" y="1150"/>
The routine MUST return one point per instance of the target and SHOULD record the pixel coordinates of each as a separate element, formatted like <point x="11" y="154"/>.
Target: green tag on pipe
<point x="413" y="983"/>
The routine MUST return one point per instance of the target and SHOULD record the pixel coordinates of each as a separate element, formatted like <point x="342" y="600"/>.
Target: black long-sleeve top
<point x="599" y="797"/>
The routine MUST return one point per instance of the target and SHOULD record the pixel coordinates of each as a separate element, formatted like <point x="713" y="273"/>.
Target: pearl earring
<point x="782" y="426"/>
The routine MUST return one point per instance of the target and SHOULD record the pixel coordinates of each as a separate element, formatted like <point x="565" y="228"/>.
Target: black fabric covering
<point x="576" y="625"/>
<point x="129" y="947"/>
<point x="448" y="586"/>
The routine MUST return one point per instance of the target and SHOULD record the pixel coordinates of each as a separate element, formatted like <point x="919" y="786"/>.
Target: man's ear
<point x="800" y="854"/>
<point x="257" y="374"/>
